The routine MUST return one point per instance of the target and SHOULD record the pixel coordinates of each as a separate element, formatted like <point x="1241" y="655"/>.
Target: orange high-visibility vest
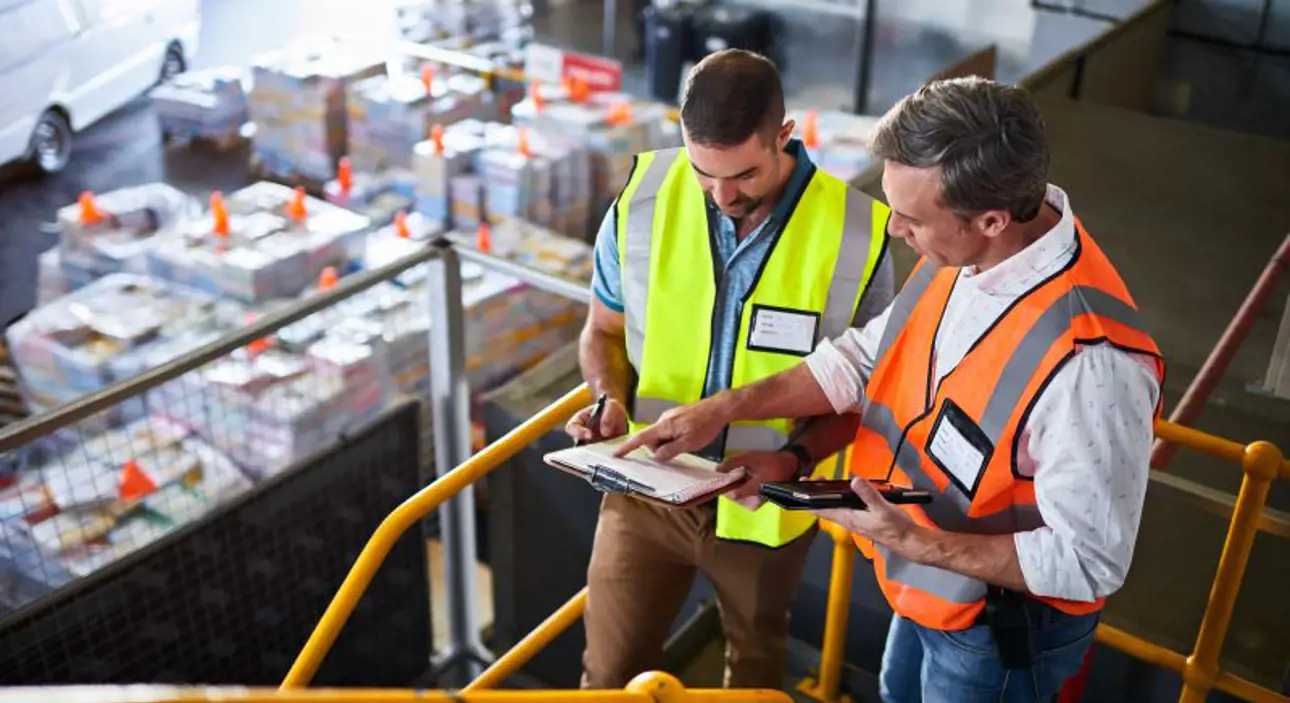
<point x="982" y="405"/>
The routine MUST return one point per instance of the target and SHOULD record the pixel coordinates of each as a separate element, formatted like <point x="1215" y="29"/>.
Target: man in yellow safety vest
<point x="720" y="263"/>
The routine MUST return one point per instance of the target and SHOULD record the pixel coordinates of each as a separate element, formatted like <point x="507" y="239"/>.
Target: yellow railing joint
<point x="537" y="640"/>
<point x="1263" y="461"/>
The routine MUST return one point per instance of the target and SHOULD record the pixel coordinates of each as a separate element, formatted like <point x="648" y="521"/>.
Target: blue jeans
<point x="934" y="666"/>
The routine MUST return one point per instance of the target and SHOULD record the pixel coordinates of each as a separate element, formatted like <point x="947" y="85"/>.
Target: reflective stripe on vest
<point x="1056" y="316"/>
<point x="635" y="233"/>
<point x="820" y="263"/>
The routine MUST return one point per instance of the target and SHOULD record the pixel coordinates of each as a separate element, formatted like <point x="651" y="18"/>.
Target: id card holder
<point x="783" y="330"/>
<point x="959" y="447"/>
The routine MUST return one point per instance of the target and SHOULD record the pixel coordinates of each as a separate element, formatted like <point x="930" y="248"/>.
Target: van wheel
<point x="51" y="142"/>
<point x="173" y="64"/>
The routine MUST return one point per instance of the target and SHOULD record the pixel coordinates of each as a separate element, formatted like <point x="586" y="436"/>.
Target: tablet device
<point x="816" y="495"/>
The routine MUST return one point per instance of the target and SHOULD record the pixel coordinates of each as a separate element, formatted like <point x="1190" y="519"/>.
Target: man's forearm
<point x="793" y="393"/>
<point x="989" y="558"/>
<point x="827" y="435"/>
<point x="603" y="358"/>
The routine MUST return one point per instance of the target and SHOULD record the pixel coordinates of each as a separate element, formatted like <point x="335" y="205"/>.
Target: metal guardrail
<point x="21" y="433"/>
<point x="1262" y="463"/>
<point x="450" y="484"/>
<point x="650" y="687"/>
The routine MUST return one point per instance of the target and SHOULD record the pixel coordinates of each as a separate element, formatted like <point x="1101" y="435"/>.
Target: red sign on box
<point x="548" y="64"/>
<point x="604" y="75"/>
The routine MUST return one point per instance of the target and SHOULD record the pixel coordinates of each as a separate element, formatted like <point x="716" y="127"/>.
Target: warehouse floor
<point x="1203" y="213"/>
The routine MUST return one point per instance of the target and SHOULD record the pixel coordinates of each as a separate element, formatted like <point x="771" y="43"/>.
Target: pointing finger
<point x="636" y="441"/>
<point x="668" y="450"/>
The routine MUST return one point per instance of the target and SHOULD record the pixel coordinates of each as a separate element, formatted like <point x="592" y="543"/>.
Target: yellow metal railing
<point x="406" y="515"/>
<point x="1262" y="462"/>
<point x="651" y="687"/>
<point x="829" y="684"/>
<point x="537" y="640"/>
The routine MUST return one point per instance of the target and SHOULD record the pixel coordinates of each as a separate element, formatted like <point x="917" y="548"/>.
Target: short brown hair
<point x="731" y="95"/>
<point x="987" y="138"/>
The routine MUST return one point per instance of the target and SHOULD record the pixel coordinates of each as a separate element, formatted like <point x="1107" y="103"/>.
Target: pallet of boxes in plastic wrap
<point x="297" y="103"/>
<point x="207" y="106"/>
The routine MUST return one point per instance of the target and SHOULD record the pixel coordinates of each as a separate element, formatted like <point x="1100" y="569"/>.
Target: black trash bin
<point x="718" y="27"/>
<point x="668" y="46"/>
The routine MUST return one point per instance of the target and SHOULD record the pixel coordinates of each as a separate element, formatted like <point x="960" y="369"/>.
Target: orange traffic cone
<point x="327" y="279"/>
<point x="401" y="229"/>
<point x="259" y="346"/>
<point x="522" y="142"/>
<point x="580" y="91"/>
<point x="90" y="212"/>
<point x="620" y="113"/>
<point x="484" y="237"/>
<point x="427" y="76"/>
<point x="219" y="215"/>
<point x="135" y="484"/>
<point x="345" y="175"/>
<point x="296" y="209"/>
<point x="436" y="136"/>
<point x="811" y="129"/>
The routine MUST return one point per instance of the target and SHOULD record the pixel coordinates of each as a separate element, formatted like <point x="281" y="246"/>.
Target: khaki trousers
<point x="643" y="563"/>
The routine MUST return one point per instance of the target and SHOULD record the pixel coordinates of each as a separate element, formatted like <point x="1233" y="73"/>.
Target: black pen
<point x="594" y="420"/>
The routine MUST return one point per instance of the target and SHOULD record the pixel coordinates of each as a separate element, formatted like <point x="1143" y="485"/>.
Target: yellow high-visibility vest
<point x="819" y="265"/>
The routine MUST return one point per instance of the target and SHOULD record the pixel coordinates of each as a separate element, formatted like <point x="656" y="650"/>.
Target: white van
<point x="65" y="64"/>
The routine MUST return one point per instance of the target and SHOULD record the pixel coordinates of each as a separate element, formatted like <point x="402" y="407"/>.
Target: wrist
<point x="799" y="459"/>
<point x="726" y="405"/>
<point x="611" y="391"/>
<point x="907" y="540"/>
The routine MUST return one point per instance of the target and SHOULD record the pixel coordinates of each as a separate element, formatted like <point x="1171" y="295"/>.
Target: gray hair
<point x="987" y="138"/>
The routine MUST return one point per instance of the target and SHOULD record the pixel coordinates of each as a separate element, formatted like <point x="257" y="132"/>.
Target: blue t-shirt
<point x="739" y="264"/>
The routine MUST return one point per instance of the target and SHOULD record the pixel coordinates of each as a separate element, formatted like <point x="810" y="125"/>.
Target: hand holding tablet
<point x="824" y="495"/>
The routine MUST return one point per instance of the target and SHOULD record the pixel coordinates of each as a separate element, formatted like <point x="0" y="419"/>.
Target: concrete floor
<point x="1205" y="211"/>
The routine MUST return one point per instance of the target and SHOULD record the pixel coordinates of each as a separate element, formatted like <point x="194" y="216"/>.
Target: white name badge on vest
<point x="782" y="330"/>
<point x="959" y="447"/>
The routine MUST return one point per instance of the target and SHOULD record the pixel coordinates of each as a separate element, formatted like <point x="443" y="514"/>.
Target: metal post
<point x="864" y="63"/>
<point x="827" y="687"/>
<point x="450" y="415"/>
<point x="1262" y="464"/>
<point x="610" y="27"/>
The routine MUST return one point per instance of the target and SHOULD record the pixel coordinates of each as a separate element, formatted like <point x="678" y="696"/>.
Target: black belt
<point x="1037" y="609"/>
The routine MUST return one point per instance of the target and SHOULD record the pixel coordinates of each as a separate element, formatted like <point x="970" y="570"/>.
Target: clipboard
<point x="685" y="481"/>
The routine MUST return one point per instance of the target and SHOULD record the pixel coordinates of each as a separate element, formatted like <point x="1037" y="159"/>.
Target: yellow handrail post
<point x="828" y="686"/>
<point x="407" y="514"/>
<point x="534" y="642"/>
<point x="1262" y="463"/>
